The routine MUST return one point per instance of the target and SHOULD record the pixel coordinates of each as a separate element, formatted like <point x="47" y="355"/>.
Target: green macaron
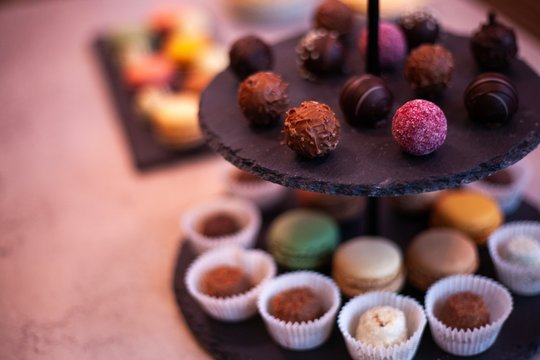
<point x="302" y="239"/>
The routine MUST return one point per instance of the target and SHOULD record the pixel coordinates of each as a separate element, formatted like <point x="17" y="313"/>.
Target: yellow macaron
<point x="473" y="213"/>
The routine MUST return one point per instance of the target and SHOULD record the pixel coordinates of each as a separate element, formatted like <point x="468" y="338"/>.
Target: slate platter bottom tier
<point x="518" y="339"/>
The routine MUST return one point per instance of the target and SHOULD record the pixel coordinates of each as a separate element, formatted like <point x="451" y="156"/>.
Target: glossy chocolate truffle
<point x="319" y="53"/>
<point x="392" y="45"/>
<point x="464" y="310"/>
<point x="225" y="281"/>
<point x="419" y="127"/>
<point x="296" y="305"/>
<point x="312" y="129"/>
<point x="419" y="27"/>
<point x="333" y="15"/>
<point x="248" y="55"/>
<point x="494" y="45"/>
<point x="219" y="224"/>
<point x="263" y="98"/>
<point x="429" y="70"/>
<point x="491" y="99"/>
<point x="365" y="100"/>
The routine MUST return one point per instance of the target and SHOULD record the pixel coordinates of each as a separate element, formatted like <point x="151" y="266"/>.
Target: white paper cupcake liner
<point x="507" y="196"/>
<point x="263" y="193"/>
<point x="350" y="314"/>
<point x="257" y="264"/>
<point x="471" y="341"/>
<point x="521" y="280"/>
<point x="303" y="335"/>
<point x="245" y="211"/>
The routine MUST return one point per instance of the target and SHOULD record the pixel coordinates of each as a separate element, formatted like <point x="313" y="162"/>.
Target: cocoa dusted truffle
<point x="248" y="55"/>
<point x="491" y="99"/>
<point x="296" y="305"/>
<point x="219" y="224"/>
<point x="429" y="70"/>
<point x="419" y="27"/>
<point x="263" y="98"/>
<point x="319" y="53"/>
<point x="333" y="15"/>
<point x="494" y="45"/>
<point x="225" y="281"/>
<point x="464" y="310"/>
<point x="312" y="129"/>
<point x="365" y="100"/>
<point x="419" y="127"/>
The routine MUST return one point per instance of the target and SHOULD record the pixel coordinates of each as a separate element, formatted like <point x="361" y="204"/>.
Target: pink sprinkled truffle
<point x="419" y="127"/>
<point x="392" y="45"/>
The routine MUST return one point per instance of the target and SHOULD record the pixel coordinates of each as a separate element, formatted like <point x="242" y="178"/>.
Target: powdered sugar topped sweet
<point x="419" y="127"/>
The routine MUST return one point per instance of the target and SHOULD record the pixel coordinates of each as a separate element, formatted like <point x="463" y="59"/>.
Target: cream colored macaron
<point x="367" y="264"/>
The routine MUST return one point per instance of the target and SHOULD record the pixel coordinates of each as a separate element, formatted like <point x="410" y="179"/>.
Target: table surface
<point x="88" y="244"/>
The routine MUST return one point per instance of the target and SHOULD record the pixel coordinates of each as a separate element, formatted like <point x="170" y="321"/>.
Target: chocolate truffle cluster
<point x="312" y="129"/>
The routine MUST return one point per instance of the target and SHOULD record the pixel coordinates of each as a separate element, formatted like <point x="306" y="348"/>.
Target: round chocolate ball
<point x="320" y="52"/>
<point x="494" y="45"/>
<point x="491" y="99"/>
<point x="333" y="15"/>
<point x="419" y="27"/>
<point x="429" y="70"/>
<point x="365" y="100"/>
<point x="419" y="127"/>
<point x="392" y="45"/>
<point x="263" y="98"/>
<point x="296" y="305"/>
<point x="312" y="129"/>
<point x="248" y="55"/>
<point x="464" y="310"/>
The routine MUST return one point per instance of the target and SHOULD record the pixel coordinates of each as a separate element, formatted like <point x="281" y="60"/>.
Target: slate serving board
<point x="519" y="338"/>
<point x="368" y="162"/>
<point x="146" y="151"/>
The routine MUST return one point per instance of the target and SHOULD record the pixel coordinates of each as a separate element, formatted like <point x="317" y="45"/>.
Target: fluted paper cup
<point x="263" y="193"/>
<point x="352" y="311"/>
<point x="523" y="280"/>
<point x="257" y="264"/>
<point x="471" y="341"/>
<point x="507" y="196"/>
<point x="300" y="335"/>
<point x="244" y="211"/>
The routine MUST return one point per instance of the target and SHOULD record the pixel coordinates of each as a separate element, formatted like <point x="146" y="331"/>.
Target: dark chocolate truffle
<point x="312" y="129"/>
<point x="248" y="55"/>
<point x="219" y="224"/>
<point x="429" y="69"/>
<point x="263" y="98"/>
<point x="224" y="281"/>
<point x="494" y="45"/>
<point x="464" y="310"/>
<point x="491" y="99"/>
<point x="296" y="305"/>
<point x="419" y="27"/>
<point x="320" y="53"/>
<point x="333" y="15"/>
<point x="503" y="177"/>
<point x="365" y="100"/>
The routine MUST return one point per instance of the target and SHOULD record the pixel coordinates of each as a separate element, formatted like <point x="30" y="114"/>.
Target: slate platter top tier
<point x="368" y="161"/>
